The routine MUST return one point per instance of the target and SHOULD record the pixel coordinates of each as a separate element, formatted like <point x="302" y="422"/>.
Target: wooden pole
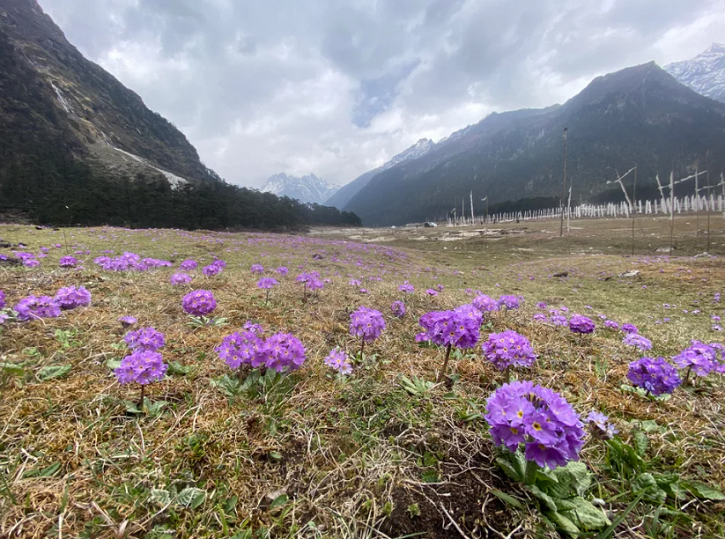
<point x="634" y="205"/>
<point x="709" y="210"/>
<point x="697" y="203"/>
<point x="672" y="207"/>
<point x="563" y="190"/>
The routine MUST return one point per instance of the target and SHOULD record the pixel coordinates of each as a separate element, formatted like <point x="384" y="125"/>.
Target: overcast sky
<point x="337" y="87"/>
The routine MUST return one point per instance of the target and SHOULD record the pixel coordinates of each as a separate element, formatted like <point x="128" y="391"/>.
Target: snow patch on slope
<point x="64" y="103"/>
<point x="309" y="189"/>
<point x="174" y="180"/>
<point x="705" y="73"/>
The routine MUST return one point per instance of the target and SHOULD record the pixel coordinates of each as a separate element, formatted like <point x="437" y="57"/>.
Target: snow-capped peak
<point x="705" y="73"/>
<point x="307" y="188"/>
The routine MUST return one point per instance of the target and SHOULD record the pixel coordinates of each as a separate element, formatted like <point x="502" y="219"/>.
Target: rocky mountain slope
<point x="705" y="73"/>
<point x="309" y="188"/>
<point x="346" y="192"/>
<point x="638" y="115"/>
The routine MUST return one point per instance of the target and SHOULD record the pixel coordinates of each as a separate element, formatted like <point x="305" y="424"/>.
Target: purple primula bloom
<point x="611" y="324"/>
<point x="510" y="302"/>
<point x="431" y="292"/>
<point x="127" y="321"/>
<point x="509" y="349"/>
<point x="407" y="288"/>
<point x="640" y="342"/>
<point x="541" y="305"/>
<point x="629" y="328"/>
<point x="338" y="360"/>
<point x="458" y="329"/>
<point x="540" y="418"/>
<point x="257" y="269"/>
<point x="188" y="265"/>
<point x="3" y="317"/>
<point x="267" y="283"/>
<point x="180" y="278"/>
<point x="559" y="320"/>
<point x="701" y="358"/>
<point x="72" y="297"/>
<point x="354" y="282"/>
<point x="540" y="317"/>
<point x="68" y="262"/>
<point x="32" y="307"/>
<point x="145" y="339"/>
<point x="199" y="302"/>
<point x="485" y="303"/>
<point x="282" y="270"/>
<point x="398" y="308"/>
<point x="581" y="324"/>
<point x="654" y="375"/>
<point x="2" y="300"/>
<point x="367" y="324"/>
<point x="141" y="367"/>
<point x="212" y="269"/>
<point x="31" y="263"/>
<point x="242" y="348"/>
<point x="284" y="352"/>
<point x="600" y="427"/>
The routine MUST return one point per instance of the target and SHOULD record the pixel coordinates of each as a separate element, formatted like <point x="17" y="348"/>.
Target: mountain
<point x="78" y="147"/>
<point x="638" y="115"/>
<point x="705" y="73"/>
<point x="309" y="189"/>
<point x="346" y="192"/>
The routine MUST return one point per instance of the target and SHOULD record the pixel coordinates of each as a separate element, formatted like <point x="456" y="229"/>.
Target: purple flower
<point x="629" y="328"/>
<point x="581" y="324"/>
<point x="257" y="269"/>
<point x="398" y="308"/>
<point x="458" y="329"/>
<point x="188" y="265"/>
<point x="338" y="360"/>
<point x="543" y="420"/>
<point x="559" y="320"/>
<point x="407" y="288"/>
<point x="71" y="297"/>
<point x="640" y="342"/>
<point x="699" y="357"/>
<point x="541" y="305"/>
<point x="199" y="302"/>
<point x="540" y="317"/>
<point x="485" y="303"/>
<point x="431" y="292"/>
<point x="654" y="375"/>
<point x="611" y="324"/>
<point x="145" y="339"/>
<point x="141" y="367"/>
<point x="510" y="302"/>
<point x="367" y="324"/>
<point x="212" y="269"/>
<point x="32" y="307"/>
<point x="267" y="283"/>
<point x="284" y="352"/>
<point x="282" y="270"/>
<point x="127" y="321"/>
<point x="68" y="262"/>
<point x="242" y="348"/>
<point x="354" y="282"/>
<point x="2" y="299"/>
<point x="600" y="427"/>
<point x="3" y="317"/>
<point x="31" y="263"/>
<point x="509" y="349"/>
<point x="180" y="278"/>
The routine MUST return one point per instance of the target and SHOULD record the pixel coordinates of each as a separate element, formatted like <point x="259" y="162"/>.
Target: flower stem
<point x="140" y="406"/>
<point x="687" y="375"/>
<point x="442" y="372"/>
<point x="530" y="473"/>
<point x="362" y="350"/>
<point x="266" y="300"/>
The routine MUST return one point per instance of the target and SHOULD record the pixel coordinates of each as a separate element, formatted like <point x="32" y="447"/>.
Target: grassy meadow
<point x="384" y="452"/>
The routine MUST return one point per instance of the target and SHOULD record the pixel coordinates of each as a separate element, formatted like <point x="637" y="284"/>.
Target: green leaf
<point x="544" y="497"/>
<point x="703" y="491"/>
<point x="275" y="455"/>
<point x="191" y="497"/>
<point x="113" y="364"/>
<point x="588" y="516"/>
<point x="160" y="496"/>
<point x="646" y="482"/>
<point x="507" y="499"/>
<point x="53" y="371"/>
<point x="649" y="425"/>
<point x="563" y="523"/>
<point x="508" y="469"/>
<point x="429" y="476"/>
<point x="11" y="368"/>
<point x="48" y="471"/>
<point x="177" y="368"/>
<point x="640" y="442"/>
<point x="131" y="408"/>
<point x="154" y="408"/>
<point x="230" y="505"/>
<point x="279" y="501"/>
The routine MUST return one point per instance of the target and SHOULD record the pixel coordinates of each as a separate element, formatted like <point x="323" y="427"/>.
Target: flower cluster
<point x="267" y="283"/>
<point x="311" y="280"/>
<point x="367" y="324"/>
<point x="654" y="375"/>
<point x="510" y="302"/>
<point x="127" y="321"/>
<point x="581" y="324"/>
<point x="701" y="358"/>
<point x="180" y="278"/>
<point x="485" y="303"/>
<point x="600" y="427"/>
<point x="640" y="342"/>
<point x="282" y="270"/>
<point x="242" y="348"/>
<point x="28" y="259"/>
<point x="281" y="351"/>
<point x="68" y="262"/>
<point x="284" y="352"/>
<point x="145" y="339"/>
<point x="129" y="262"/>
<point x="33" y="307"/>
<point x="257" y="269"/>
<point x="199" y="302"/>
<point x="407" y="288"/>
<point x="188" y="265"/>
<point x="338" y="360"/>
<point x="538" y="417"/>
<point x="398" y="308"/>
<point x="457" y="329"/>
<point x="2" y="299"/>
<point x="141" y="367"/>
<point x="630" y="328"/>
<point x="72" y="297"/>
<point x="509" y="349"/>
<point x="215" y="268"/>
<point x="611" y="324"/>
